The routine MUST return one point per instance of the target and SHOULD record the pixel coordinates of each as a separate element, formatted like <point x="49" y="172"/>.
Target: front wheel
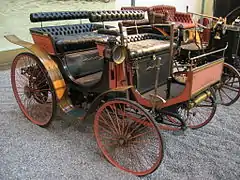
<point x="128" y="137"/>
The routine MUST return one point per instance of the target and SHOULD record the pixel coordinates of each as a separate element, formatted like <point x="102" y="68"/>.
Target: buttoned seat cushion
<point x="71" y="37"/>
<point x="184" y="19"/>
<point x="79" y="41"/>
<point x="146" y="44"/>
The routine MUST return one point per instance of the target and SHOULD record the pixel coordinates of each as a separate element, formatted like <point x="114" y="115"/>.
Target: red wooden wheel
<point x="200" y="115"/>
<point x="33" y="89"/>
<point x="196" y="117"/>
<point x="228" y="90"/>
<point x="128" y="137"/>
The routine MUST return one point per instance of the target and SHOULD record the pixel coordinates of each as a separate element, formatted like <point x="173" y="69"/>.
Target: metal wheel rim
<point x="228" y="91"/>
<point x="118" y="137"/>
<point x="200" y="115"/>
<point x="33" y="106"/>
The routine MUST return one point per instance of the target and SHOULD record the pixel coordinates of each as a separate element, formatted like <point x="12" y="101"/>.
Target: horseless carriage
<point x="125" y="78"/>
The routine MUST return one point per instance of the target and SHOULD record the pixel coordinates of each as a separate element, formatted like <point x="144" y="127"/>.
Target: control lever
<point x="123" y="34"/>
<point x="155" y="96"/>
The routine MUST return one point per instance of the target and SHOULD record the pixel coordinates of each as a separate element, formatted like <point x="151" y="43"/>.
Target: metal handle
<point x="207" y="54"/>
<point x="203" y="15"/>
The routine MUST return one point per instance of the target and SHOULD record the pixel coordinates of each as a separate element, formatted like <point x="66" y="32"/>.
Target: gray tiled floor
<point x="67" y="149"/>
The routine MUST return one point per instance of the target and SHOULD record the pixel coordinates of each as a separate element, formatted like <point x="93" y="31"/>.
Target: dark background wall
<point x="223" y="7"/>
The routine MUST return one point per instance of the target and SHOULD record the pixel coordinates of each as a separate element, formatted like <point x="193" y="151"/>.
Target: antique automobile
<point x="124" y="79"/>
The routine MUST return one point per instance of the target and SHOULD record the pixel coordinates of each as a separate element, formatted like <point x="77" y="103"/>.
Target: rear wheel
<point x="228" y="90"/>
<point x="33" y="89"/>
<point x="198" y="116"/>
<point x="128" y="137"/>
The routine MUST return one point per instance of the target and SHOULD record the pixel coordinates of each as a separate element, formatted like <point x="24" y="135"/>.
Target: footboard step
<point x="77" y="112"/>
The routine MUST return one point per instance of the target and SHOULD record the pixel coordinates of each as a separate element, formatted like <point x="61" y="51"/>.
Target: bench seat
<point x="75" y="42"/>
<point x="66" y="38"/>
<point x="145" y="44"/>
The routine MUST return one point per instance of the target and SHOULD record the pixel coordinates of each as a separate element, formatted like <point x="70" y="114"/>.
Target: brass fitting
<point x="200" y="98"/>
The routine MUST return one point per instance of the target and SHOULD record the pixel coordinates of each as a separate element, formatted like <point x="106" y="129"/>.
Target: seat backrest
<point x="183" y="17"/>
<point x="142" y="8"/>
<point x="66" y="29"/>
<point x="56" y="16"/>
<point x="115" y="15"/>
<point x="138" y="22"/>
<point x="165" y="9"/>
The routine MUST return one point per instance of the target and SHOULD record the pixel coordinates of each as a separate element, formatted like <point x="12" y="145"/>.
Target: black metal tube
<point x="207" y="54"/>
<point x="170" y="61"/>
<point x="171" y="47"/>
<point x="158" y="64"/>
<point x="120" y="25"/>
<point x="203" y="15"/>
<point x="132" y="2"/>
<point x="165" y="25"/>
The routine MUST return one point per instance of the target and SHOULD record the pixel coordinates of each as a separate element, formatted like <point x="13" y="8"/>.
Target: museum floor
<point x="67" y="149"/>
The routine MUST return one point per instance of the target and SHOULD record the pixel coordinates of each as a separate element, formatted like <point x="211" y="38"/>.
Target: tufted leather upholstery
<point x="70" y="37"/>
<point x="173" y="16"/>
<point x="152" y="16"/>
<point x="147" y="47"/>
<point x="63" y="30"/>
<point x="162" y="14"/>
<point x="146" y="44"/>
<point x="142" y="8"/>
<point x="136" y="22"/>
<point x="55" y="16"/>
<point x="115" y="15"/>
<point x="140" y="37"/>
<point x="75" y="42"/>
<point x="184" y="19"/>
<point x="165" y="9"/>
<point x="133" y="23"/>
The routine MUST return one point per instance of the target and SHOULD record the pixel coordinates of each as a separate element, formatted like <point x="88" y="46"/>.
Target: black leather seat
<point x="71" y="37"/>
<point x="75" y="42"/>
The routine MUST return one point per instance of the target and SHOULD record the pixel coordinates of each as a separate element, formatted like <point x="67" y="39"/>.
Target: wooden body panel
<point x="206" y="75"/>
<point x="45" y="42"/>
<point x="198" y="80"/>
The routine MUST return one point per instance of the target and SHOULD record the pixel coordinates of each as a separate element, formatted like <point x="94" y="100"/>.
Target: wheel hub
<point x="27" y="92"/>
<point x="36" y="90"/>
<point x="121" y="141"/>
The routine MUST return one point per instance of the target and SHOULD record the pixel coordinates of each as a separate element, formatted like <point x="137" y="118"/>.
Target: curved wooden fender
<point x="52" y="69"/>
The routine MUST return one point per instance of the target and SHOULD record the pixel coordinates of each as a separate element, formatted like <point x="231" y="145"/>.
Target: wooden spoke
<point x="33" y="89"/>
<point x="128" y="147"/>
